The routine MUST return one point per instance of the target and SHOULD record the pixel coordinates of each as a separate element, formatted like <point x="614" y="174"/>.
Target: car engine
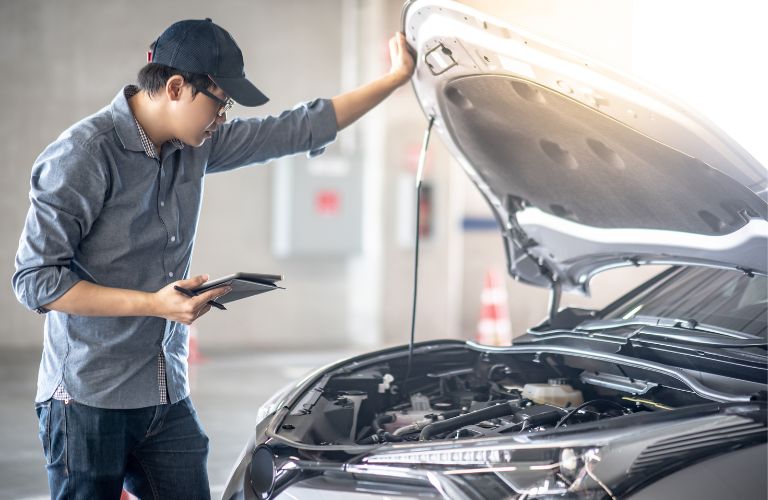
<point x="539" y="422"/>
<point x="450" y="397"/>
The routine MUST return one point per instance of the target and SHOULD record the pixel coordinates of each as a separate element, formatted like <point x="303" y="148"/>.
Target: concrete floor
<point x="227" y="389"/>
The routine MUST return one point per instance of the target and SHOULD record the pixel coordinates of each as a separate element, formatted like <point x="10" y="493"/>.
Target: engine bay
<point x="456" y="393"/>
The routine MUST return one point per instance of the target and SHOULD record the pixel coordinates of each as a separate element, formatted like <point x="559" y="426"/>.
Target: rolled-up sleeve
<point x="308" y="127"/>
<point x="66" y="196"/>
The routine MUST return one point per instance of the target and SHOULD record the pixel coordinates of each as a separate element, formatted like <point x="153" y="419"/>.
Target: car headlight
<point x="531" y="470"/>
<point x="476" y="455"/>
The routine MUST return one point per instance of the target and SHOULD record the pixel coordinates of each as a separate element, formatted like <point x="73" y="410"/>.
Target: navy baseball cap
<point x="200" y="46"/>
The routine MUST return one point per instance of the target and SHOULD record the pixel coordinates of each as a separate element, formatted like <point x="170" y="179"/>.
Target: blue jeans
<point x="158" y="452"/>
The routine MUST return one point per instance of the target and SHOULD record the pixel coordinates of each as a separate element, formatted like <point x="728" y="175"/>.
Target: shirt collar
<point x="130" y="132"/>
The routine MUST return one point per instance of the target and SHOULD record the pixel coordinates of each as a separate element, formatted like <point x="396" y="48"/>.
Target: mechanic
<point x="114" y="209"/>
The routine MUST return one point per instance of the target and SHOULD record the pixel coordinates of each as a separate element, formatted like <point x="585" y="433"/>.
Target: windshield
<point x="727" y="299"/>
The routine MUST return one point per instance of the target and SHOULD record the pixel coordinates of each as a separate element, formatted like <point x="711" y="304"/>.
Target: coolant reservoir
<point x="419" y="409"/>
<point x="555" y="392"/>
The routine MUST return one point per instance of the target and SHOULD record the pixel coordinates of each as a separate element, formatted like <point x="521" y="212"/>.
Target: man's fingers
<point x="202" y="311"/>
<point x="392" y="52"/>
<point x="212" y="294"/>
<point x="193" y="282"/>
<point x="400" y="42"/>
<point x="401" y="55"/>
<point x="405" y="50"/>
<point x="200" y="279"/>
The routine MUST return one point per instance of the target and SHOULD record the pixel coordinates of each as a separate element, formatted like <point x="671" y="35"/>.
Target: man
<point x="114" y="209"/>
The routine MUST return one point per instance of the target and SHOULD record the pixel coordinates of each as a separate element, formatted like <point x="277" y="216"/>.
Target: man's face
<point x="196" y="115"/>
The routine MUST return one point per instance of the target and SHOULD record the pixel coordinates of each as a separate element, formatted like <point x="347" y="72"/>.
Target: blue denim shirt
<point x="103" y="211"/>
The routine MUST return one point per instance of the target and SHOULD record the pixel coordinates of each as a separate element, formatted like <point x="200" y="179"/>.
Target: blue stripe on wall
<point x="479" y="224"/>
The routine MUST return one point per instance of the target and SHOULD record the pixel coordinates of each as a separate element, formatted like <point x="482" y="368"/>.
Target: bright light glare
<point x="710" y="55"/>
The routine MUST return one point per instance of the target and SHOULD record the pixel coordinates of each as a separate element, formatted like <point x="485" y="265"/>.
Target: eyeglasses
<point x="224" y="106"/>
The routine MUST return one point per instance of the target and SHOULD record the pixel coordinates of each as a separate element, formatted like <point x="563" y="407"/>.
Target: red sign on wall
<point x="327" y="202"/>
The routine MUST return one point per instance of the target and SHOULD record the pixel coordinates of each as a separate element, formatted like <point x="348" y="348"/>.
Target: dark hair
<point x="153" y="77"/>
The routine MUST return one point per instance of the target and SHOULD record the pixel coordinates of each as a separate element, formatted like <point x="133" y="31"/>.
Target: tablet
<point x="243" y="285"/>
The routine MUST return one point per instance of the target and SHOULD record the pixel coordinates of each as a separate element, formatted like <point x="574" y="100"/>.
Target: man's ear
<point x="173" y="87"/>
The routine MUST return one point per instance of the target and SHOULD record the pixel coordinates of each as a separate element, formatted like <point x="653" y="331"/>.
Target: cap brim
<point x="241" y="90"/>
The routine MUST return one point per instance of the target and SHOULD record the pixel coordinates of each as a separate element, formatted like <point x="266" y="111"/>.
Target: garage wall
<point x="63" y="60"/>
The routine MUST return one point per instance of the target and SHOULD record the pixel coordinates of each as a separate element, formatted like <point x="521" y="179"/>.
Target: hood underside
<point x="584" y="168"/>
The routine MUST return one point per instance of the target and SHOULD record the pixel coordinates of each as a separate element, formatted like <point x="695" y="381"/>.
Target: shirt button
<point x="170" y="274"/>
<point x="162" y="203"/>
<point x="173" y="238"/>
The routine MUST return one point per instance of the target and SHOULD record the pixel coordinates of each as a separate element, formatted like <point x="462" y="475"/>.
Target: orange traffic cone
<point x="127" y="496"/>
<point x="195" y="356"/>
<point x="494" y="327"/>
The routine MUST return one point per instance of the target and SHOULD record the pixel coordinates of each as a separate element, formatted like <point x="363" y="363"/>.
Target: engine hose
<point x="378" y="422"/>
<point x="408" y="429"/>
<point x="381" y="437"/>
<point x="449" y="414"/>
<point x="474" y="417"/>
<point x="388" y="437"/>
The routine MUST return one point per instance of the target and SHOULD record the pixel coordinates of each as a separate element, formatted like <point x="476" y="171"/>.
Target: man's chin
<point x="206" y="135"/>
<point x="196" y="143"/>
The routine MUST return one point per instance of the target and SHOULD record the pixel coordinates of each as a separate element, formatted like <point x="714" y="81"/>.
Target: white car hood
<point x="585" y="168"/>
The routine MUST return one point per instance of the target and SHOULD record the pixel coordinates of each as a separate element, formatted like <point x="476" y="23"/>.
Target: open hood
<point x="584" y="168"/>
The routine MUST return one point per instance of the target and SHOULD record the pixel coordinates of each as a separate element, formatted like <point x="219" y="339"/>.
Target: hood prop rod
<point x="555" y="292"/>
<point x="419" y="173"/>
